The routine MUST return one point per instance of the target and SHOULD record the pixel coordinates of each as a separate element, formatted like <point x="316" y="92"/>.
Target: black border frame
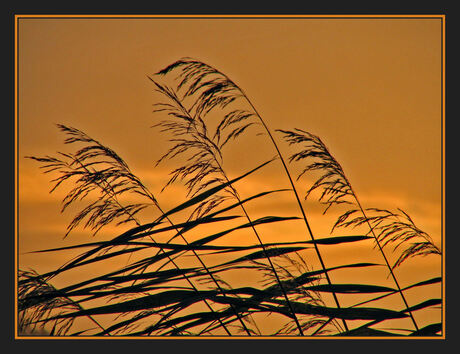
<point x="191" y="9"/>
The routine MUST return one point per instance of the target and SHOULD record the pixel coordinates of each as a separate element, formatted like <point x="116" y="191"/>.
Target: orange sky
<point x="370" y="88"/>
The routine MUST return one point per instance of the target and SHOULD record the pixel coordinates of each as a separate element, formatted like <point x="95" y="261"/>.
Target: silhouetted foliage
<point x="154" y="293"/>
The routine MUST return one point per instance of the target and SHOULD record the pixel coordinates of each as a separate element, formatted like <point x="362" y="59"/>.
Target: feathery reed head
<point x="393" y="229"/>
<point x="95" y="170"/>
<point x="335" y="187"/>
<point x="208" y="90"/>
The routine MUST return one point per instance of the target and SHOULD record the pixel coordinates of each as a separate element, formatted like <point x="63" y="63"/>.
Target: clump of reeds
<point x="336" y="189"/>
<point x="154" y="294"/>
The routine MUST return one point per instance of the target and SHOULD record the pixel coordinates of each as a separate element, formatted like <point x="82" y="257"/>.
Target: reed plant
<point x="177" y="277"/>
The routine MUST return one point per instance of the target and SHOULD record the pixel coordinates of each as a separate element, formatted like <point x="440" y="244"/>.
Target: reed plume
<point x="397" y="230"/>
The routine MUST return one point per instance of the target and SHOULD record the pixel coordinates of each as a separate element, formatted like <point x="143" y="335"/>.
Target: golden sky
<point x="370" y="88"/>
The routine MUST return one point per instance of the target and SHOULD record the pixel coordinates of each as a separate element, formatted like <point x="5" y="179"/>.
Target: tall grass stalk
<point x="203" y="141"/>
<point x="207" y="70"/>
